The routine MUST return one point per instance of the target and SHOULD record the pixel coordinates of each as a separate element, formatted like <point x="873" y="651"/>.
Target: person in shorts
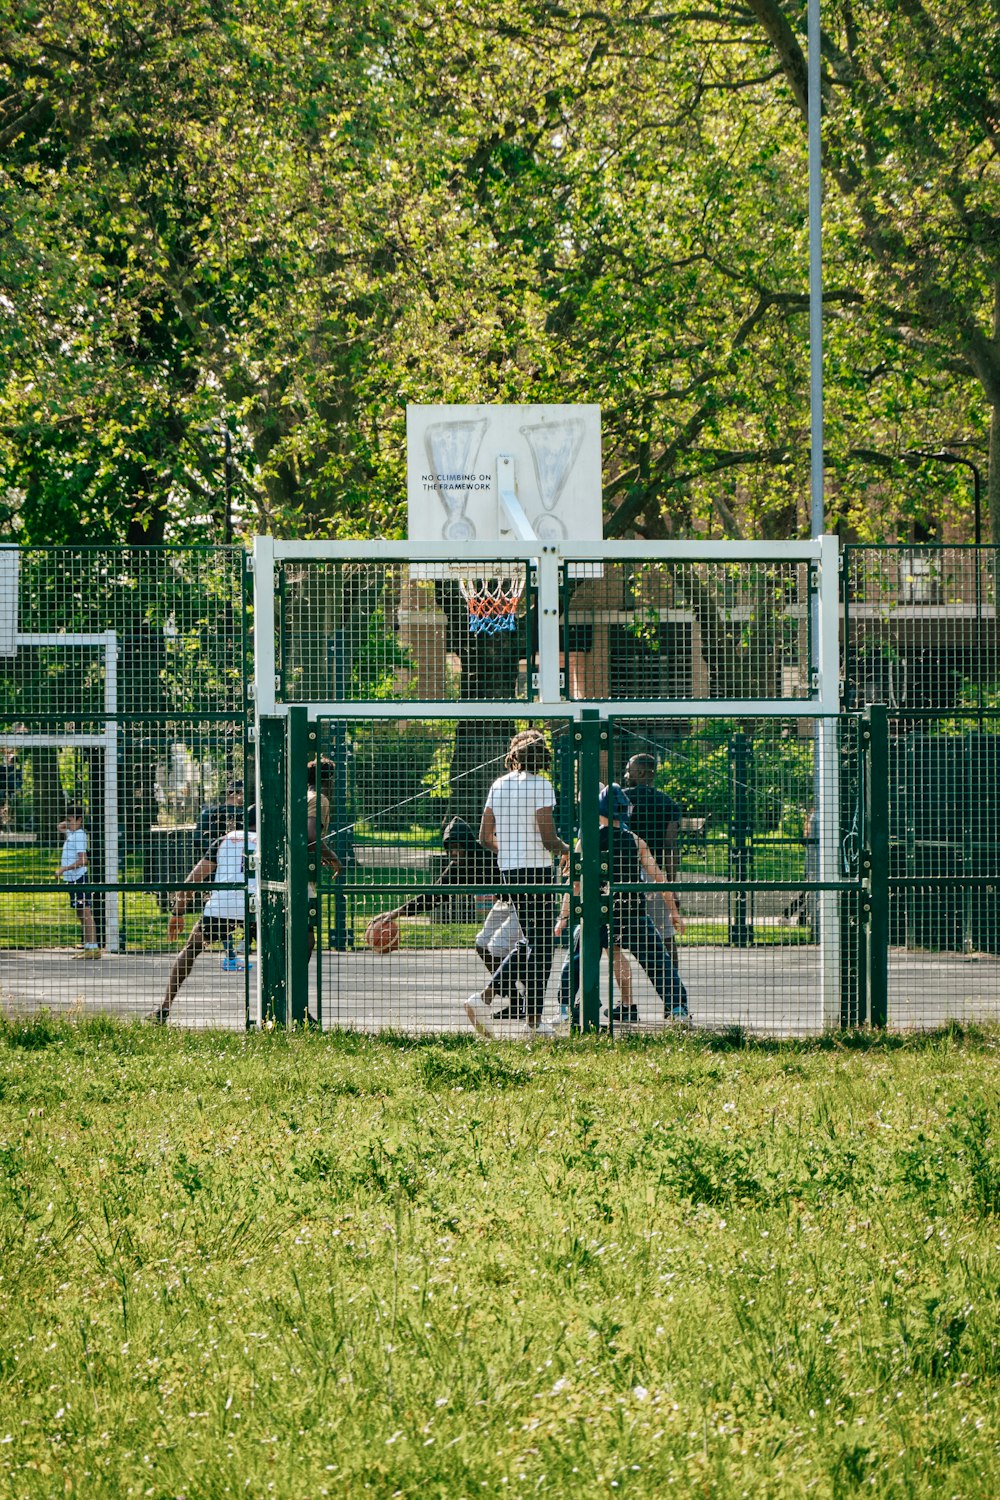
<point x="518" y="824"/>
<point x="224" y="911"/>
<point x="73" y="871"/>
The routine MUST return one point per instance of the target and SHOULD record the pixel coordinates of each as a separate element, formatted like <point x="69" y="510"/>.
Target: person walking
<point x="518" y="824"/>
<point x="656" y="819"/>
<point x="632" y="929"/>
<point x="320" y="781"/>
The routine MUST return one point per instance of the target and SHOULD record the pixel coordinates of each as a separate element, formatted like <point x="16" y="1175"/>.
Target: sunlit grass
<point x="305" y="1265"/>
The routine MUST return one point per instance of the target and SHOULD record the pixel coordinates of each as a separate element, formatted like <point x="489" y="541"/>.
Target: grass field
<point x="333" y="1265"/>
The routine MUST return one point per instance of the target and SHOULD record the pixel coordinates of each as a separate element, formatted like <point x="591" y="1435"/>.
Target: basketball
<point x="382" y="934"/>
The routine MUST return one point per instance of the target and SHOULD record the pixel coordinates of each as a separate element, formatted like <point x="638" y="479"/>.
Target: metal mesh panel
<point x="920" y="628"/>
<point x="682" y="629"/>
<point x="766" y="876"/>
<point x="399" y="785"/>
<point x="122" y="694"/>
<point x="944" y="869"/>
<point x="361" y="631"/>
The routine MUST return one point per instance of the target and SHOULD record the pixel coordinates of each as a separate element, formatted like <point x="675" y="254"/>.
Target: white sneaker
<point x="546" y="1028"/>
<point x="480" y="1014"/>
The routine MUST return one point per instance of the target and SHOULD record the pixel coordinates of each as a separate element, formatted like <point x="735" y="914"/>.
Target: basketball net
<point x="492" y="602"/>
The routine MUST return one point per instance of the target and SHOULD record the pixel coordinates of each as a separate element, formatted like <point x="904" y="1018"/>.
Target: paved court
<point x="771" y="990"/>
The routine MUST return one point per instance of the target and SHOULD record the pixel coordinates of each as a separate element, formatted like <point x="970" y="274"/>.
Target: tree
<point x="911" y="142"/>
<point x="299" y="219"/>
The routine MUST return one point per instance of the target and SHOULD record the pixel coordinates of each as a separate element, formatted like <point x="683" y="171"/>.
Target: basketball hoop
<point x="492" y="602"/>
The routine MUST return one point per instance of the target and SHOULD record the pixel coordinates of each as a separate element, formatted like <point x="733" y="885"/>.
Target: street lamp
<point x="942" y="455"/>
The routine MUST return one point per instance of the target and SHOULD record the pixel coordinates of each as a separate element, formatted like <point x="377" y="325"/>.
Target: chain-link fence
<point x="123" y="731"/>
<point x="646" y="629"/>
<point x="814" y="869"/>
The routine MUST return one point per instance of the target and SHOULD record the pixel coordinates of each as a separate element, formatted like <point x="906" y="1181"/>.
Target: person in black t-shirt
<point x="217" y="818"/>
<point x="656" y="819"/>
<point x="631" y="927"/>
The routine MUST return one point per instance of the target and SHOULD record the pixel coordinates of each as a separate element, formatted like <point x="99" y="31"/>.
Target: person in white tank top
<point x="226" y="864"/>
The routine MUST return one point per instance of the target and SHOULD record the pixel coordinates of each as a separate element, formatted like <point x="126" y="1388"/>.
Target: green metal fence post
<point x="878" y="863"/>
<point x="301" y="907"/>
<point x="740" y="838"/>
<point x="592" y="907"/>
<point x="272" y="890"/>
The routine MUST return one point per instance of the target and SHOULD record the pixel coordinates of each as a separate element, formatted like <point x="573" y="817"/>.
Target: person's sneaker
<point x="679" y="1016"/>
<point x="480" y="1014"/>
<point x="511" y="1012"/>
<point x="159" y="1016"/>
<point x="230" y="964"/>
<point x="625" y="1015"/>
<point x="546" y="1028"/>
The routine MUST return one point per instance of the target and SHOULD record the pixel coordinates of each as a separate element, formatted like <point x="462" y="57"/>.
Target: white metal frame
<point x="106" y="641"/>
<point x="547" y="558"/>
<point x="823" y="704"/>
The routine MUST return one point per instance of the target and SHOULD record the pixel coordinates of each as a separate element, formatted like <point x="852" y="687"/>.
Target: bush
<point x="390" y="772"/>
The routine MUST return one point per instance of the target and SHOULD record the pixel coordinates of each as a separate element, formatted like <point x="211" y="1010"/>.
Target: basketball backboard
<point x="452" y="487"/>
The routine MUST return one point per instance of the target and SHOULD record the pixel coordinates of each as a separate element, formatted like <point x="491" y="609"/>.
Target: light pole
<point x="814" y="112"/>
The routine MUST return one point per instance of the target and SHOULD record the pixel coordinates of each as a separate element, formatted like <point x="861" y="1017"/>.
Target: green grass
<point x="304" y="1265"/>
<point x="45" y="919"/>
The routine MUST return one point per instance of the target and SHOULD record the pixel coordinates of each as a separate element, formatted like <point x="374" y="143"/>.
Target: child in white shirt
<point x="73" y="871"/>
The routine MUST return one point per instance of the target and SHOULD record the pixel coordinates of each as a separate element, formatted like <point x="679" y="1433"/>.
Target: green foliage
<point x="295" y="221"/>
<point x="700" y="774"/>
<point x="395" y="785"/>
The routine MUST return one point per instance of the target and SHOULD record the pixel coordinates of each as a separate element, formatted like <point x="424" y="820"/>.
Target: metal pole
<point x="815" y="274"/>
<point x="876" y="732"/>
<point x="593" y="909"/>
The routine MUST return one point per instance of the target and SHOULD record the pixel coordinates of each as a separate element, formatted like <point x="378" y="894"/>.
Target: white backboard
<point x="451" y="471"/>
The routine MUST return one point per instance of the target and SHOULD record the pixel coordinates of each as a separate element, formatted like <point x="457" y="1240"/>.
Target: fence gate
<point x="719" y="662"/>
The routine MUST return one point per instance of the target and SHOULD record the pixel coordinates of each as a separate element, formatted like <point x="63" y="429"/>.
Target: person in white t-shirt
<point x="518" y="824"/>
<point x="225" y="909"/>
<point x="73" y="870"/>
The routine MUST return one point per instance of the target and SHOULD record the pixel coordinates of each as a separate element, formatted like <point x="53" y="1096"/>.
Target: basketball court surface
<point x="768" y="991"/>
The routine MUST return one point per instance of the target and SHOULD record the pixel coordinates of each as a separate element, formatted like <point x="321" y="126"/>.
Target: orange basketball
<point x="382" y="934"/>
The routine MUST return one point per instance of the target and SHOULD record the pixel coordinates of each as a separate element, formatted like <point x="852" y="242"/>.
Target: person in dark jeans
<point x="656" y="819"/>
<point x="518" y="824"/>
<point x="632" y="929"/>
